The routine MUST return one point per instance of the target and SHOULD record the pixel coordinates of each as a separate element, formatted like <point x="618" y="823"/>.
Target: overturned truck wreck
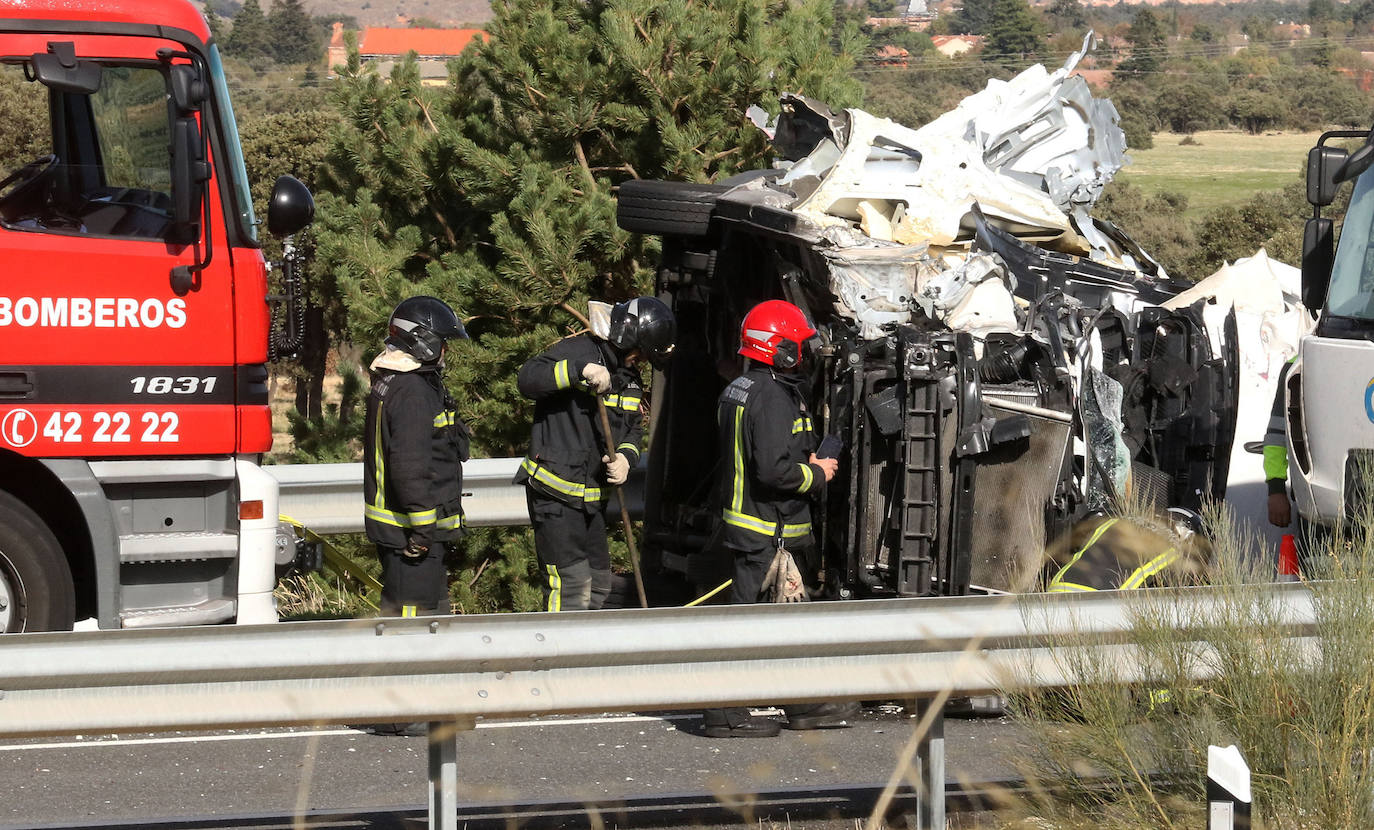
<point x="997" y="362"/>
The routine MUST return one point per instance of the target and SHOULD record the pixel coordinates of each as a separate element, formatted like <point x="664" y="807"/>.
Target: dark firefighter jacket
<point x="766" y="440"/>
<point x="566" y="441"/>
<point x="1109" y="554"/>
<point x="414" y="446"/>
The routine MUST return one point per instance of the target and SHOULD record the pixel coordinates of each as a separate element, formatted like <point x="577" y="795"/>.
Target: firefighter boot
<point x="821" y="715"/>
<point x="738" y="723"/>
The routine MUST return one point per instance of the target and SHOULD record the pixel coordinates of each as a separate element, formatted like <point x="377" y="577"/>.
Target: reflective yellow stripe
<point x="443" y="419"/>
<point x="1149" y="569"/>
<point x="628" y="446"/>
<point x="1092" y="540"/>
<point x="625" y="402"/>
<point x="807" y="478"/>
<point x="379" y="460"/>
<point x="797" y="426"/>
<point x="408" y="611"/>
<point x="737" y="497"/>
<point x="420" y="519"/>
<point x="560" y="375"/>
<point x="767" y="528"/>
<point x="562" y="485"/>
<point x="555" y="589"/>
<point x="1069" y="588"/>
<point x="747" y="522"/>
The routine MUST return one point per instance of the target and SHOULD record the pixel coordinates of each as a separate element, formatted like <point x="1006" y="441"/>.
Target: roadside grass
<point x="1221" y="167"/>
<point x="1300" y="711"/>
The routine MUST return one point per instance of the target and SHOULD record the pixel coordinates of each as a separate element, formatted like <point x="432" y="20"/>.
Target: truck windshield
<point x="1352" y="278"/>
<point x="233" y="166"/>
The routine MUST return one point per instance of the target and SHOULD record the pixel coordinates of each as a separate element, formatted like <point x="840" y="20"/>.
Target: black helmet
<point x="420" y="325"/>
<point x="647" y="324"/>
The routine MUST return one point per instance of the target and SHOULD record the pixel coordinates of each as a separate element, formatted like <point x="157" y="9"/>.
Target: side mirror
<point x="189" y="174"/>
<point x="1322" y="165"/>
<point x="59" y="69"/>
<point x="1318" y="255"/>
<point x="291" y="208"/>
<point x="1358" y="162"/>
<point x="187" y="89"/>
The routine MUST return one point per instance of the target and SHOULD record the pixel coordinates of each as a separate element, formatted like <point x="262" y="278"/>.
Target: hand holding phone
<point x="831" y="446"/>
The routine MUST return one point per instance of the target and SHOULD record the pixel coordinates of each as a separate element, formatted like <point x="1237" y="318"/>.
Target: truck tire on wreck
<point x="667" y="208"/>
<point x="36" y="592"/>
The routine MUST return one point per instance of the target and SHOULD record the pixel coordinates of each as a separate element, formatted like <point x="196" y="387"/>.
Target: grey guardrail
<point x="328" y="498"/>
<point x="515" y="665"/>
<point x="451" y="670"/>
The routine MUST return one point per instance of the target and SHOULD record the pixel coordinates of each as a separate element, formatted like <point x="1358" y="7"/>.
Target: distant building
<point x="954" y="45"/>
<point x="891" y="56"/>
<point x="385" y="46"/>
<point x="1292" y="31"/>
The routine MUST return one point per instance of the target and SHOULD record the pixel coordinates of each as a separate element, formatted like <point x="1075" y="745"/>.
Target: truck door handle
<point x="15" y="385"/>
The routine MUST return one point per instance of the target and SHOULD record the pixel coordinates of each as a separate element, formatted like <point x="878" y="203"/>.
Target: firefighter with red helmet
<point x="414" y="447"/>
<point x="771" y="474"/>
<point x="567" y="470"/>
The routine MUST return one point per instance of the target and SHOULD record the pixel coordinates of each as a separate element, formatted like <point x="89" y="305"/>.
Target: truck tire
<point x="666" y="208"/>
<point x="36" y="591"/>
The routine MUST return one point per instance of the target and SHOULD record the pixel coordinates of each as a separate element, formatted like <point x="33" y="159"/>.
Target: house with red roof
<point x="953" y="45"/>
<point x="385" y="46"/>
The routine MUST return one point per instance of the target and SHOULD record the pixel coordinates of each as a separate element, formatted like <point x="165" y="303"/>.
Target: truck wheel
<point x="666" y="208"/>
<point x="36" y="592"/>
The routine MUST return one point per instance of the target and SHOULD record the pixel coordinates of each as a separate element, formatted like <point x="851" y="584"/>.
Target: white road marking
<point x="256" y="736"/>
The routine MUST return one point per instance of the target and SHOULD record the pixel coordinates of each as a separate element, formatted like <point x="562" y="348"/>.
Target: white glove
<point x="617" y="469"/>
<point x="598" y="378"/>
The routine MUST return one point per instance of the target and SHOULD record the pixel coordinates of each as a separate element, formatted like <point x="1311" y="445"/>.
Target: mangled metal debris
<point x="997" y="360"/>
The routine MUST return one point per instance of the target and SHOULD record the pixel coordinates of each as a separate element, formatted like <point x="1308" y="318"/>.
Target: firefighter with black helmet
<point x="568" y="470"/>
<point x="413" y="449"/>
<point x="770" y="476"/>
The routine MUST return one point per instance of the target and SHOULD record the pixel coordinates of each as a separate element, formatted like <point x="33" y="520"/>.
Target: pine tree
<point x="1015" y="35"/>
<point x="213" y="21"/>
<point x="293" y="33"/>
<point x="495" y="192"/>
<point x="1146" y="37"/>
<point x="250" y="37"/>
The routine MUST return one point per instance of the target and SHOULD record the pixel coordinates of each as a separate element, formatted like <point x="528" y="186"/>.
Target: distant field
<point x="1224" y="167"/>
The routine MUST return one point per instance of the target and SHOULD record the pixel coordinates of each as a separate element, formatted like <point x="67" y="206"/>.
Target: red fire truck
<point x="134" y="325"/>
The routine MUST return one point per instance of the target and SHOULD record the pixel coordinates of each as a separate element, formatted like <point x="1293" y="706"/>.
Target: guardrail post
<point x="930" y="755"/>
<point x="1228" y="789"/>
<point x="443" y="772"/>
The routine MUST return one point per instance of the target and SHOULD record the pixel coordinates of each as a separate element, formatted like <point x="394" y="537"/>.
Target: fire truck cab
<point x="134" y="325"/>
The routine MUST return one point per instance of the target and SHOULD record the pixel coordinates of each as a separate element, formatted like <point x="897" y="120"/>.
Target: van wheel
<point x="666" y="208"/>
<point x="36" y="592"/>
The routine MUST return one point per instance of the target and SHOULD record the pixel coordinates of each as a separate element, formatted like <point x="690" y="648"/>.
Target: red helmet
<point x="773" y="332"/>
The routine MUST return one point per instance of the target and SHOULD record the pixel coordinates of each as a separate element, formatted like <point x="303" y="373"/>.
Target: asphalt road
<point x="627" y="770"/>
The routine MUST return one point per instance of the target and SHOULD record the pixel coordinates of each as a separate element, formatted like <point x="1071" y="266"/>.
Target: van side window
<point x="96" y="164"/>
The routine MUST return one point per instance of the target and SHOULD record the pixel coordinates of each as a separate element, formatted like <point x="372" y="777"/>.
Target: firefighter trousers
<point x="574" y="556"/>
<point x="414" y="587"/>
<point x="751" y="566"/>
